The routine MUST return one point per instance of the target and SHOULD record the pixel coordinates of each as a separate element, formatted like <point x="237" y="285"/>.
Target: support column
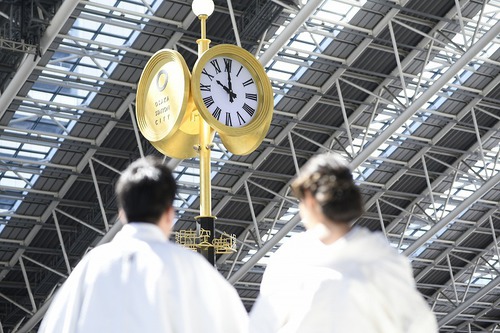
<point x="206" y="221"/>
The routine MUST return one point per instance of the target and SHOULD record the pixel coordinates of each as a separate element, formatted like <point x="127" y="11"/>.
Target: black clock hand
<point x="230" y="85"/>
<point x="226" y="89"/>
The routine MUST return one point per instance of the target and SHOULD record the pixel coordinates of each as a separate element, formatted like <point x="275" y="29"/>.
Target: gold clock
<point x="166" y="115"/>
<point x="233" y="94"/>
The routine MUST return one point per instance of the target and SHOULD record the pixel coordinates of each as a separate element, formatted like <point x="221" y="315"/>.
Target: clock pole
<point x="203" y="9"/>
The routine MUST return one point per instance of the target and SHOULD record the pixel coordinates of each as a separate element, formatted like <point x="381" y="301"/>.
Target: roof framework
<point x="408" y="91"/>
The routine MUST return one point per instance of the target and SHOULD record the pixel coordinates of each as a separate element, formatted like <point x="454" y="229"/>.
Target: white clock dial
<point x="229" y="91"/>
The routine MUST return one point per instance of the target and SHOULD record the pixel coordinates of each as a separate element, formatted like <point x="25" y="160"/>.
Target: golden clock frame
<point x="176" y="136"/>
<point x="238" y="140"/>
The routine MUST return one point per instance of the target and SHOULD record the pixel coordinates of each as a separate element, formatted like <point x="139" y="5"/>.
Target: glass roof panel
<point x="280" y="69"/>
<point x="47" y="107"/>
<point x="86" y="24"/>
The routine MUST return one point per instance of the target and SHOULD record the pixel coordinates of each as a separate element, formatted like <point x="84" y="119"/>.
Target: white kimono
<point x="358" y="284"/>
<point x="142" y="283"/>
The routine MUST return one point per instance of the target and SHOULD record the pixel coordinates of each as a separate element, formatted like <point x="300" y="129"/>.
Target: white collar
<point x="141" y="230"/>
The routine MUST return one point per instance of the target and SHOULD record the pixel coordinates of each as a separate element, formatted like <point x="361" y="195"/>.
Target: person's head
<point x="326" y="181"/>
<point x="146" y="191"/>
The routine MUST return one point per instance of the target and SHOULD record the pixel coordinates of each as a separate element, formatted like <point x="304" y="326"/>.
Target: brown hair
<point x="329" y="180"/>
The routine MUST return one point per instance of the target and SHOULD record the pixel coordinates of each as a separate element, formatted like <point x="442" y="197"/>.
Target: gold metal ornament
<point x="166" y="114"/>
<point x="246" y="144"/>
<point x="193" y="240"/>
<point x="182" y="142"/>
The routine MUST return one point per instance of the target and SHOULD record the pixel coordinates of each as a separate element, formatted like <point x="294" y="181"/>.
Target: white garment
<point x="358" y="284"/>
<point x="140" y="282"/>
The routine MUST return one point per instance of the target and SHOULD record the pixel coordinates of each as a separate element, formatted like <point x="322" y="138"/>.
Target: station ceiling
<point x="406" y="90"/>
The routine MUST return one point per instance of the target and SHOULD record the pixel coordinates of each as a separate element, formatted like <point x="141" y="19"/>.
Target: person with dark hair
<point x="141" y="282"/>
<point x="336" y="278"/>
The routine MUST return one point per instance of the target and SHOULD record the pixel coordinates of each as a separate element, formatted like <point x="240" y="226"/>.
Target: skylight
<point x="462" y="187"/>
<point x="308" y="44"/>
<point x="65" y="86"/>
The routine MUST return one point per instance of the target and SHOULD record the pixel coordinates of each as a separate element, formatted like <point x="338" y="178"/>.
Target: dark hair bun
<point x="343" y="174"/>
<point x="329" y="180"/>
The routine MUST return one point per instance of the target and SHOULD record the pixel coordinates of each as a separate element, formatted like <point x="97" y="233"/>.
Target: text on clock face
<point x="162" y="110"/>
<point x="229" y="91"/>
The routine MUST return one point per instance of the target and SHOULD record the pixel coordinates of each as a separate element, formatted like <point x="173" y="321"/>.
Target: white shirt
<point x="358" y="284"/>
<point x="140" y="282"/>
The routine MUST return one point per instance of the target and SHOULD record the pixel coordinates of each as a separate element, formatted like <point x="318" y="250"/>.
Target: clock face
<point x="233" y="95"/>
<point x="229" y="91"/>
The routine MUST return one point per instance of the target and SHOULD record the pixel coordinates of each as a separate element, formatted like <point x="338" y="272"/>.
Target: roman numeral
<point x="253" y="97"/>
<point x="215" y="63"/>
<point x="208" y="101"/>
<point x="227" y="64"/>
<point x="216" y="113"/>
<point x="204" y="71"/>
<point x="238" y="74"/>
<point x="228" y="119"/>
<point x="248" y="109"/>
<point x="248" y="82"/>
<point x="240" y="119"/>
<point x="204" y="87"/>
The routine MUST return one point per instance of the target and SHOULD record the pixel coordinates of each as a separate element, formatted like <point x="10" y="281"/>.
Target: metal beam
<point x="79" y="221"/>
<point x="473" y="263"/>
<point x="68" y="107"/>
<point x="474" y="298"/>
<point x="124" y="12"/>
<point x="233" y="22"/>
<point x="43" y="266"/>
<point x="426" y="96"/>
<point x="492" y="85"/>
<point x="266" y="247"/>
<point x="98" y="79"/>
<point x="469" y="201"/>
<point x="16" y="304"/>
<point x="283" y="38"/>
<point x="136" y="130"/>
<point x="28" y="286"/>
<point x="61" y="241"/>
<point x="30" y="60"/>
<point x="111" y="46"/>
<point x="99" y="197"/>
<point x="258" y="239"/>
<point x="34" y="133"/>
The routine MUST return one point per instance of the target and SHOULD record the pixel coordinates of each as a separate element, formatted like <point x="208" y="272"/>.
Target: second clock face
<point x="229" y="91"/>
